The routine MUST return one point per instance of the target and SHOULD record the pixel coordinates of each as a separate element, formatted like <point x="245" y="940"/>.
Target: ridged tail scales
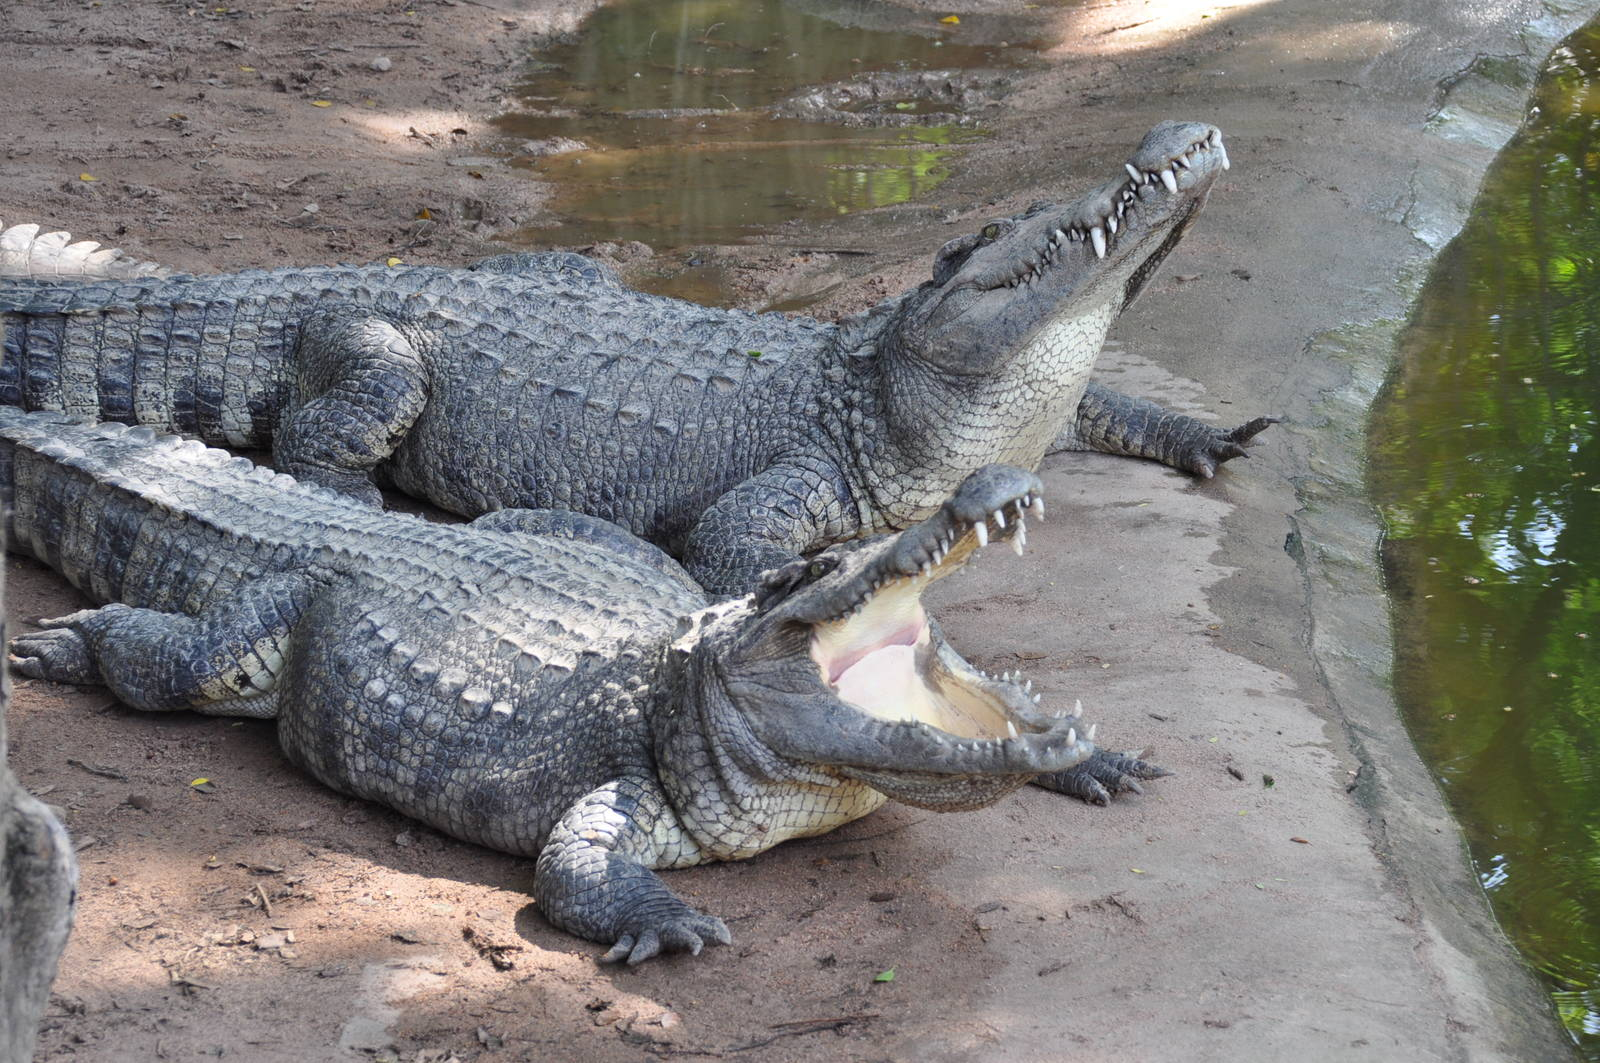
<point x="26" y="254"/>
<point x="180" y="354"/>
<point x="68" y="492"/>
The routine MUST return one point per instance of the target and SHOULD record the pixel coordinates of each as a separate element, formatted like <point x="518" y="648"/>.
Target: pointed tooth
<point x="1098" y="236"/>
<point x="999" y="519"/>
<point x="1028" y="687"/>
<point x="927" y="568"/>
<point x="1077" y="708"/>
<point x="1038" y="509"/>
<point x="1036" y="698"/>
<point x="1020" y="543"/>
<point x="1111" y="224"/>
<point x="1224" y="153"/>
<point x="1133" y="172"/>
<point x="1072" y="736"/>
<point x="1170" y="179"/>
<point x="1090" y="735"/>
<point x="982" y="530"/>
<point x="1060" y="235"/>
<point x="1181" y="161"/>
<point x="1011" y="728"/>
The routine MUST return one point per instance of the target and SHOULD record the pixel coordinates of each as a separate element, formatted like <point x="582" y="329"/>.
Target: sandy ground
<point x="1295" y="891"/>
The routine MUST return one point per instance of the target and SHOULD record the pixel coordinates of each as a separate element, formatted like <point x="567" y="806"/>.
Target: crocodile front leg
<point x="766" y="522"/>
<point x="593" y="877"/>
<point x="361" y="387"/>
<point x="224" y="662"/>
<point x="1113" y="423"/>
<point x="1102" y="775"/>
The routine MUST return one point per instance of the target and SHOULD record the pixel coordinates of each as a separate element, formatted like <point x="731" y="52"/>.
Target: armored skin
<point x="735" y="441"/>
<point x="539" y="682"/>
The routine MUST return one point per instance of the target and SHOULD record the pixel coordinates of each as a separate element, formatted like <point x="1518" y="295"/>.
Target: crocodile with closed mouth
<point x="735" y="441"/>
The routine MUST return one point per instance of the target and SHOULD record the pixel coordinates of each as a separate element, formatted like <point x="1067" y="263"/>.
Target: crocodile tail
<point x="26" y="254"/>
<point x="150" y="351"/>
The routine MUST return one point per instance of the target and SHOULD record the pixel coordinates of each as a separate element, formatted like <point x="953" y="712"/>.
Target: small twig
<point x="802" y="1028"/>
<point x="812" y="1022"/>
<point x="266" y="903"/>
<point x="96" y="769"/>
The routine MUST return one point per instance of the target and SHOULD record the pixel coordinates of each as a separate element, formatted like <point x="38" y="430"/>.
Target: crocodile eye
<point x="991" y="231"/>
<point x="820" y="567"/>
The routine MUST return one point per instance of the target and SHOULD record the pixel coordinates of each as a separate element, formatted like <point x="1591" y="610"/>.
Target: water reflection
<point x="1486" y="464"/>
<point x="672" y="100"/>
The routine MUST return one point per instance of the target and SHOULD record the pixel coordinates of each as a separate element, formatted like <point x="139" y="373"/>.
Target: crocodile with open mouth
<point x="537" y="681"/>
<point x="735" y="441"/>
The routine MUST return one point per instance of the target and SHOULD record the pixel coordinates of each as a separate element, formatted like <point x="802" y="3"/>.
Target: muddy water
<point x="691" y="132"/>
<point x="1485" y="460"/>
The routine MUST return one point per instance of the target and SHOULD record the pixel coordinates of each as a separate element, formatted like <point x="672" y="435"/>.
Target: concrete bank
<point x="1239" y="625"/>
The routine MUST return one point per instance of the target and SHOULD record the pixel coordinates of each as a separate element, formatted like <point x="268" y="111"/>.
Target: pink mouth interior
<point x="907" y="636"/>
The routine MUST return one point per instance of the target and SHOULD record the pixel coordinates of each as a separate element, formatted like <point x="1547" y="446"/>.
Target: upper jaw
<point x="1175" y="166"/>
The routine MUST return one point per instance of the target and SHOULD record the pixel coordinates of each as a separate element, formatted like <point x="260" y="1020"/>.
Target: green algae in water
<point x="1485" y="462"/>
<point x="673" y="98"/>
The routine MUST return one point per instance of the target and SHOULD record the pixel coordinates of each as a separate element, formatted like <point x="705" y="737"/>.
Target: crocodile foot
<point x="1102" y="775"/>
<point x="58" y="654"/>
<point x="1218" y="446"/>
<point x="677" y="929"/>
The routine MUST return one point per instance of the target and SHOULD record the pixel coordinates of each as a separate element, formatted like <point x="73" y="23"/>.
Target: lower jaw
<point x="942" y="792"/>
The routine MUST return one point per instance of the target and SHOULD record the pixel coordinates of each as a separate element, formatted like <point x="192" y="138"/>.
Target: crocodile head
<point x="834" y="666"/>
<point x="1060" y="273"/>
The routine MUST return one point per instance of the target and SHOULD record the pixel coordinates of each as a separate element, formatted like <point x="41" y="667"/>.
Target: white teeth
<point x="1224" y="152"/>
<point x="1038" y="509"/>
<point x="1060" y="236"/>
<point x="1133" y="172"/>
<point x="1072" y="736"/>
<point x="999" y="519"/>
<point x="1036" y="698"/>
<point x="982" y="530"/>
<point x="1077" y="708"/>
<point x="1181" y="161"/>
<point x="1011" y="728"/>
<point x="1111" y="224"/>
<point x="1098" y="235"/>
<point x="1092" y="728"/>
<point x="1019" y="543"/>
<point x="1027" y="687"/>
<point x="927" y="568"/>
<point x="1169" y="179"/>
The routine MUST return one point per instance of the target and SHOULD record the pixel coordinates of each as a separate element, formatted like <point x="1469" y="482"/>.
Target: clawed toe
<point x="690" y="935"/>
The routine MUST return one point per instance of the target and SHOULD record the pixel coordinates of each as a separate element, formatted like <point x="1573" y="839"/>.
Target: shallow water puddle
<point x="1485" y="455"/>
<point x="684" y="123"/>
